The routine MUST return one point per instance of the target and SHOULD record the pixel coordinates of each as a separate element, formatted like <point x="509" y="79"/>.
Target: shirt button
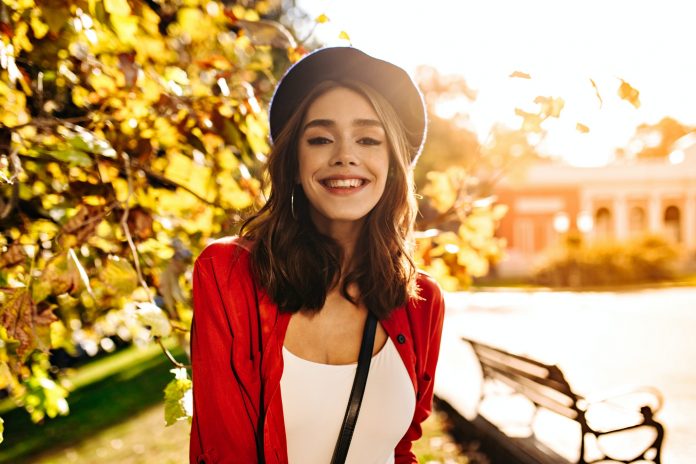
<point x="401" y="339"/>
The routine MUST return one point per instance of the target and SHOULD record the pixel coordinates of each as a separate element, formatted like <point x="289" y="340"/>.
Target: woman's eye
<point x="369" y="141"/>
<point x="318" y="141"/>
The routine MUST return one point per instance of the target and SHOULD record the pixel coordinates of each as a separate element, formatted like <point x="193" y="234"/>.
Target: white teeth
<point x="344" y="183"/>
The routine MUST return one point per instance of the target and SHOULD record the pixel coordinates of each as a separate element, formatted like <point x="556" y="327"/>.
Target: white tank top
<point x="315" y="397"/>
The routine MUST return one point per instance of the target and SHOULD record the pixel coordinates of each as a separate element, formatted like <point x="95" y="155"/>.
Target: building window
<point x="603" y="225"/>
<point x="673" y="223"/>
<point x="636" y="220"/>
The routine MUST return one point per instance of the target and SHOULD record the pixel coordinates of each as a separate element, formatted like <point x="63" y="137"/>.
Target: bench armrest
<point x="654" y="393"/>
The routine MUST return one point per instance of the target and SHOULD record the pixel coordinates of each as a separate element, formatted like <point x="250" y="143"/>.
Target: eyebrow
<point x="332" y="123"/>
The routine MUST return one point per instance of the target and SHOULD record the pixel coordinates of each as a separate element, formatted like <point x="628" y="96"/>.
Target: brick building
<point x="616" y="201"/>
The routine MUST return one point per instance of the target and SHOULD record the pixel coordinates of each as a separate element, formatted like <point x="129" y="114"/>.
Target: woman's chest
<point x="332" y="335"/>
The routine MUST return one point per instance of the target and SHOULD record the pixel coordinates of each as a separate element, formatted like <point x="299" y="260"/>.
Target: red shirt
<point x="236" y="354"/>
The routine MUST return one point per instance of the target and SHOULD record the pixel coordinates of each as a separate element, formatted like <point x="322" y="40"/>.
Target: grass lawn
<point x="106" y="392"/>
<point x="117" y="417"/>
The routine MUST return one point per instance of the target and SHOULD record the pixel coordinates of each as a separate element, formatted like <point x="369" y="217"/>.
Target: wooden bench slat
<point x="560" y="386"/>
<point x="537" y="398"/>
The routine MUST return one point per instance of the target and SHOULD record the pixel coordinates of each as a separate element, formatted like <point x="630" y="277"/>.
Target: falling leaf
<point x="582" y="128"/>
<point x="321" y="19"/>
<point x="599" y="96"/>
<point x="344" y="36"/>
<point x="520" y="75"/>
<point x="551" y="107"/>
<point x="629" y="93"/>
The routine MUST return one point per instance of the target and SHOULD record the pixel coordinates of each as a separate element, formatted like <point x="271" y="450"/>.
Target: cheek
<point x="304" y="166"/>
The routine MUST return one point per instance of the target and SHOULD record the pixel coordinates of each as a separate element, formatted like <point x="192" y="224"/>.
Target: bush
<point x="577" y="263"/>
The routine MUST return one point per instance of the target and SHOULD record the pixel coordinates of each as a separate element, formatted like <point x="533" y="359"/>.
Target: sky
<point x="561" y="44"/>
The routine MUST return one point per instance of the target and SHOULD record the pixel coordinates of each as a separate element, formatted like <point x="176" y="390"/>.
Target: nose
<point x="344" y="155"/>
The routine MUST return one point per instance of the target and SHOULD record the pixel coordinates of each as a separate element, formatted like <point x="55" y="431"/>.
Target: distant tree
<point x="656" y="140"/>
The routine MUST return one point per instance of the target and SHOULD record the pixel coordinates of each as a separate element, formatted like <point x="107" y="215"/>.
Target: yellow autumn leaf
<point x="520" y="75"/>
<point x="321" y="19"/>
<point x="104" y="85"/>
<point x="39" y="27"/>
<point x="231" y="194"/>
<point x="344" y="36"/>
<point x="20" y="41"/>
<point x="582" y="128"/>
<point x="80" y="96"/>
<point x="12" y="107"/>
<point x="194" y="23"/>
<point x="117" y="7"/>
<point x="126" y="28"/>
<point x="441" y="272"/>
<point x="167" y="135"/>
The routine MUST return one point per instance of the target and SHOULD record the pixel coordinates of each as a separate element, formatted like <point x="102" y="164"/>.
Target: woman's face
<point x="343" y="157"/>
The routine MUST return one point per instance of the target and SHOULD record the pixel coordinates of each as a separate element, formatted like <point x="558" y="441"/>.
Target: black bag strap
<point x="356" y="393"/>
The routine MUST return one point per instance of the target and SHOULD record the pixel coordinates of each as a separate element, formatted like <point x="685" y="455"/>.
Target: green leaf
<point x="78" y="143"/>
<point x="73" y="157"/>
<point x="178" y="400"/>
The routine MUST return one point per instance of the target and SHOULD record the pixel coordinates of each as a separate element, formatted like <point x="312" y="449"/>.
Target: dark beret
<point x="336" y="63"/>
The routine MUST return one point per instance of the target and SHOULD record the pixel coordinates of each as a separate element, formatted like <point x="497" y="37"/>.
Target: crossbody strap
<point x="356" y="393"/>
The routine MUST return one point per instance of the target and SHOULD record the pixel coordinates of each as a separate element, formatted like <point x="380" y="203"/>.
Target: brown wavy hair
<point x="297" y="265"/>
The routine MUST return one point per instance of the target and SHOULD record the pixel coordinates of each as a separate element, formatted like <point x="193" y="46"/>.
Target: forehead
<point x="339" y="104"/>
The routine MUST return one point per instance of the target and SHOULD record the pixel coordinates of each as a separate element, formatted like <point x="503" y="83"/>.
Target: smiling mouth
<point x="343" y="183"/>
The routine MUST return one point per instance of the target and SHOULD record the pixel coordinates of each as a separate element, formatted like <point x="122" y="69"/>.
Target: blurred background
<point x="557" y="194"/>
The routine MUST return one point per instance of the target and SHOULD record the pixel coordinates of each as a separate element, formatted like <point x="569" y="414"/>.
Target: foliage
<point x="178" y="398"/>
<point x="131" y="133"/>
<point x="657" y="140"/>
<point x="465" y="245"/>
<point x="577" y="263"/>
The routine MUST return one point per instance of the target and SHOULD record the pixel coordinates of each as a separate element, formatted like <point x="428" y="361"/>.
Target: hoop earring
<point x="292" y="203"/>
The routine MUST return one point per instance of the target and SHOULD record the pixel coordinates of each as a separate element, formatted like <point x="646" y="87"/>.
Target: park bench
<point x="543" y="387"/>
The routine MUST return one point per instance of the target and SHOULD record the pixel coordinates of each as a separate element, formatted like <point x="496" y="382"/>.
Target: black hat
<point x="336" y="63"/>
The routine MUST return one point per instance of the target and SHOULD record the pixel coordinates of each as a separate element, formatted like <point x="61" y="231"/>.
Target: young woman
<point x="280" y="312"/>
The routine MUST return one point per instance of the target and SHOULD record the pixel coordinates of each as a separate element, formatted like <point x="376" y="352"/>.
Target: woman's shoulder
<point x="224" y="251"/>
<point x="428" y="288"/>
<point x="226" y="246"/>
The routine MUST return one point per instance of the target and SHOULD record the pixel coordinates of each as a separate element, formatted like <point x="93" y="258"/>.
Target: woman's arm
<point x="222" y="429"/>
<point x="430" y="315"/>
